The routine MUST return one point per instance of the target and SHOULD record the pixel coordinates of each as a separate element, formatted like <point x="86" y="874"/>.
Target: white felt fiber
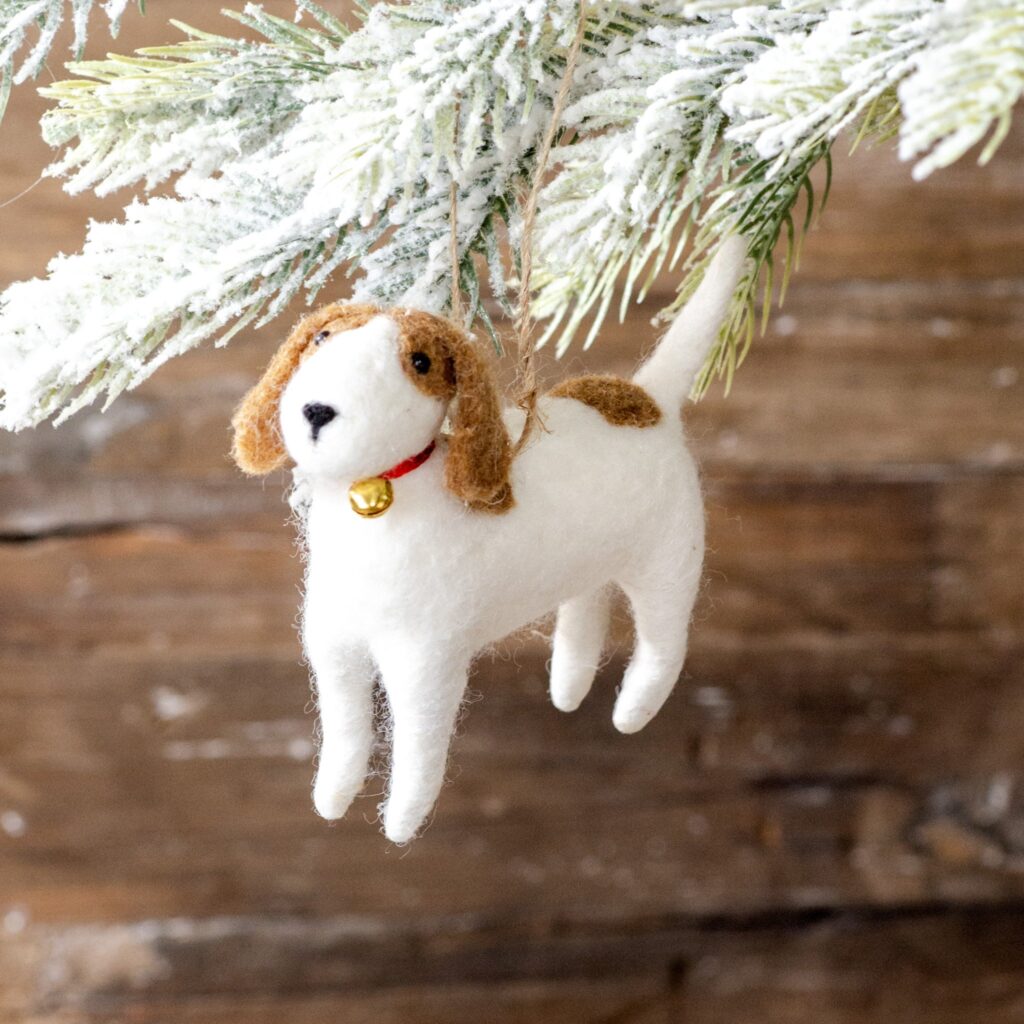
<point x="416" y="593"/>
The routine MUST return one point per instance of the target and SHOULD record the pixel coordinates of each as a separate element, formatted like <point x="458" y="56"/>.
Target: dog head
<point x="356" y="389"/>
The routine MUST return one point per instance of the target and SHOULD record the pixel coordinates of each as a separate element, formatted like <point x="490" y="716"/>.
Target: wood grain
<point x="824" y="826"/>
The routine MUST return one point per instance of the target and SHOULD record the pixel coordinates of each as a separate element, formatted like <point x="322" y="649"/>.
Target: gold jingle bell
<point x="371" y="497"/>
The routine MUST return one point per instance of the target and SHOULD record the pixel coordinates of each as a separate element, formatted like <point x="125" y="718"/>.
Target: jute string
<point x="453" y="230"/>
<point x="453" y="252"/>
<point x="526" y="352"/>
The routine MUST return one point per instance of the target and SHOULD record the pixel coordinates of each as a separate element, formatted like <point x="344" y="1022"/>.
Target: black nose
<point x="318" y="416"/>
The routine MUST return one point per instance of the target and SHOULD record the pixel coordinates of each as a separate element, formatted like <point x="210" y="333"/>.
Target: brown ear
<point x="479" y="452"/>
<point x="257" y="447"/>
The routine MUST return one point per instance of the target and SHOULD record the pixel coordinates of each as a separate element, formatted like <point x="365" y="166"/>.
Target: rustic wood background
<point x="824" y="826"/>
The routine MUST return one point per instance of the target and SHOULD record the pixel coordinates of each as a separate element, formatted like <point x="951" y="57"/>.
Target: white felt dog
<point x="426" y="547"/>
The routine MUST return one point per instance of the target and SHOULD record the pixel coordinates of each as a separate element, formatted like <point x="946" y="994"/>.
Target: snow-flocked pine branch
<point x="318" y="147"/>
<point x="21" y="20"/>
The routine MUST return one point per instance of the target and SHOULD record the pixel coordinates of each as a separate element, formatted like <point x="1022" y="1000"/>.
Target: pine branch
<point x="235" y="246"/>
<point x="716" y="125"/>
<point x="189" y="106"/>
<point x="316" y="147"/>
<point x="18" y="17"/>
<point x="964" y="85"/>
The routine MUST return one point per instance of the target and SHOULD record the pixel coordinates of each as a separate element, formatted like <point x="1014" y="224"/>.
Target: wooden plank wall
<point x="824" y="826"/>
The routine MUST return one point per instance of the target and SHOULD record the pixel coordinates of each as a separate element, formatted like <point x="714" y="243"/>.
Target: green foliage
<point x="18" y="18"/>
<point x="312" y="147"/>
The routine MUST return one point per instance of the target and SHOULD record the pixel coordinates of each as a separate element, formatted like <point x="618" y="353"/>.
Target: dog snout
<point x="318" y="416"/>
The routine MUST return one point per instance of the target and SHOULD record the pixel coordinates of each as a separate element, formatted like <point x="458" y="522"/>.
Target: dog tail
<point x="669" y="372"/>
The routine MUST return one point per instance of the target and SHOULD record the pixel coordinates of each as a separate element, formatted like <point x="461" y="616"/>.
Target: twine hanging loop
<point x="526" y="368"/>
<point x="526" y="351"/>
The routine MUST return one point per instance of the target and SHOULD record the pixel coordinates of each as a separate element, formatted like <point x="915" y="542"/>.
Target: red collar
<point x="413" y="462"/>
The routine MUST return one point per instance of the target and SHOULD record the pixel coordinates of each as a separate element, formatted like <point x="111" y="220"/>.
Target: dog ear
<point x="479" y="451"/>
<point x="258" y="447"/>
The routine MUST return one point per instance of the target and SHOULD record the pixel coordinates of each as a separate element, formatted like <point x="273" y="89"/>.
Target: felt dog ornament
<point x="425" y="547"/>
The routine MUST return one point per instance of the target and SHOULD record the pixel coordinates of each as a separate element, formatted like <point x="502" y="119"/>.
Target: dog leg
<point x="662" y="606"/>
<point x="576" y="647"/>
<point x="424" y="690"/>
<point x="344" y="688"/>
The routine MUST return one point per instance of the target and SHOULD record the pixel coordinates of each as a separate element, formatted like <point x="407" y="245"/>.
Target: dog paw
<point x="568" y="687"/>
<point x="330" y="800"/>
<point x="630" y="717"/>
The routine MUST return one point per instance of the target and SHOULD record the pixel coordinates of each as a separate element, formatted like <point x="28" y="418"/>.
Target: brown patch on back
<point x="621" y="402"/>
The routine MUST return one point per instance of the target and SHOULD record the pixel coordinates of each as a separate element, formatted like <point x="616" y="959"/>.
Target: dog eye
<point x="321" y="336"/>
<point x="420" y="362"/>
